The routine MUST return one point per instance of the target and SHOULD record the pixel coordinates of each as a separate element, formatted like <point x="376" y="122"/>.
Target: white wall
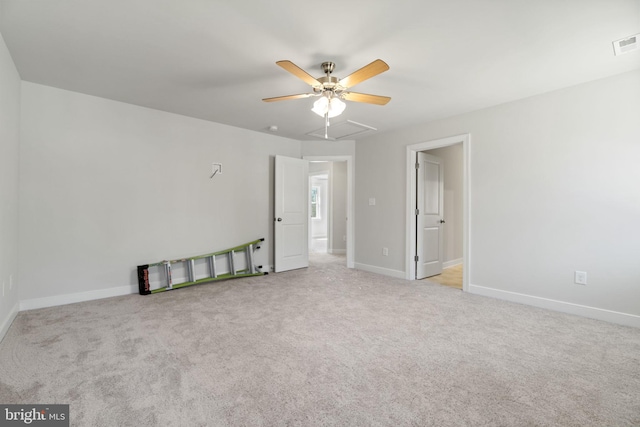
<point x="452" y="158"/>
<point x="555" y="187"/>
<point x="339" y="207"/>
<point x="9" y="157"/>
<point x="106" y="186"/>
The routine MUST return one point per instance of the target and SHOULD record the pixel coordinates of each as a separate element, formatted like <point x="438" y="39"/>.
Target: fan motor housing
<point x="327" y="67"/>
<point x="329" y="83"/>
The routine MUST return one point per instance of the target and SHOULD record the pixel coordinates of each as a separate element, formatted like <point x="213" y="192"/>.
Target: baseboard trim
<point x="561" y="306"/>
<point x="337" y="251"/>
<point x="452" y="263"/>
<point x="380" y="270"/>
<point x="34" y="303"/>
<point x="6" y="323"/>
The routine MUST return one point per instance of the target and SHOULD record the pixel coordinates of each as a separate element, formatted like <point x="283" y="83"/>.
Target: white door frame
<point x="410" y="238"/>
<point x="350" y="195"/>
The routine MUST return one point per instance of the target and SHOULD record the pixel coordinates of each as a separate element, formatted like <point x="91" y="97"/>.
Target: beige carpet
<point x="323" y="346"/>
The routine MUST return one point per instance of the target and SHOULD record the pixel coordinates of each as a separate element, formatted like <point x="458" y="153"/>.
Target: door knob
<point x="442" y="221"/>
<point x="279" y="219"/>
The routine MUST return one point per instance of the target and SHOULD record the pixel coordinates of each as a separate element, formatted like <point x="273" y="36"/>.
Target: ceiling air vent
<point x="626" y="45"/>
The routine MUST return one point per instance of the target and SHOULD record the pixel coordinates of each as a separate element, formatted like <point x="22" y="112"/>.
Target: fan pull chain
<point x="326" y="125"/>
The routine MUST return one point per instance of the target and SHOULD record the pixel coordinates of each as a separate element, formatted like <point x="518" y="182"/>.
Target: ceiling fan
<point x="331" y="90"/>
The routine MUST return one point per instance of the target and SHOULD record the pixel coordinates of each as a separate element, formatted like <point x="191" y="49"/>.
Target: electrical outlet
<point x="10" y="281"/>
<point x="581" y="277"/>
<point x="372" y="201"/>
<point x="385" y="251"/>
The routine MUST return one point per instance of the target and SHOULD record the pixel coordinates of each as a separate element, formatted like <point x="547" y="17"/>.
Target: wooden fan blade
<point x="299" y="73"/>
<point x="284" y="98"/>
<point x="376" y="67"/>
<point x="364" y="97"/>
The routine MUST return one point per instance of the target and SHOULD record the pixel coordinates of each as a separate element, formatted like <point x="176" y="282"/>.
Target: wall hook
<point x="215" y="168"/>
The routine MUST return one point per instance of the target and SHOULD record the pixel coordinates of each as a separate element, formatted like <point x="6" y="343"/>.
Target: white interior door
<point x="429" y="215"/>
<point x="291" y="214"/>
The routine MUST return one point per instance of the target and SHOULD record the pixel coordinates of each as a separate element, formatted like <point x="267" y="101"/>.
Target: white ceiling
<point x="215" y="60"/>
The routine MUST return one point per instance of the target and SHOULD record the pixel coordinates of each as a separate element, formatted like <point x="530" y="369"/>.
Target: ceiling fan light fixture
<point x="332" y="91"/>
<point x="320" y="106"/>
<point x="336" y="107"/>
<point x="328" y="106"/>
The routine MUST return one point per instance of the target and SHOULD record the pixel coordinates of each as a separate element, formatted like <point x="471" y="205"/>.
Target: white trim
<point x="380" y="270"/>
<point x="465" y="139"/>
<point x="351" y="242"/>
<point x="57" y="300"/>
<point x="337" y="251"/>
<point x="561" y="306"/>
<point x="452" y="263"/>
<point x="9" y="320"/>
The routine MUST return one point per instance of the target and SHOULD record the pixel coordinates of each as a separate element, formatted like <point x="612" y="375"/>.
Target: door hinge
<point x="417" y="165"/>
<point x="417" y="211"/>
<point x="415" y="258"/>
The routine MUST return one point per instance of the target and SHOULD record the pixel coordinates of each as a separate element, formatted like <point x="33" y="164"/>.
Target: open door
<point x="291" y="214"/>
<point x="429" y="215"/>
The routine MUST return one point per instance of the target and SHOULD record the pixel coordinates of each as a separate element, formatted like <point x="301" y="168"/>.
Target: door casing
<point x="410" y="234"/>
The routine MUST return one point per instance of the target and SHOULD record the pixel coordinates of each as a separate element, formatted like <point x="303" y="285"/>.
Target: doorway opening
<point x="320" y="209"/>
<point x="453" y="254"/>
<point x="331" y="206"/>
